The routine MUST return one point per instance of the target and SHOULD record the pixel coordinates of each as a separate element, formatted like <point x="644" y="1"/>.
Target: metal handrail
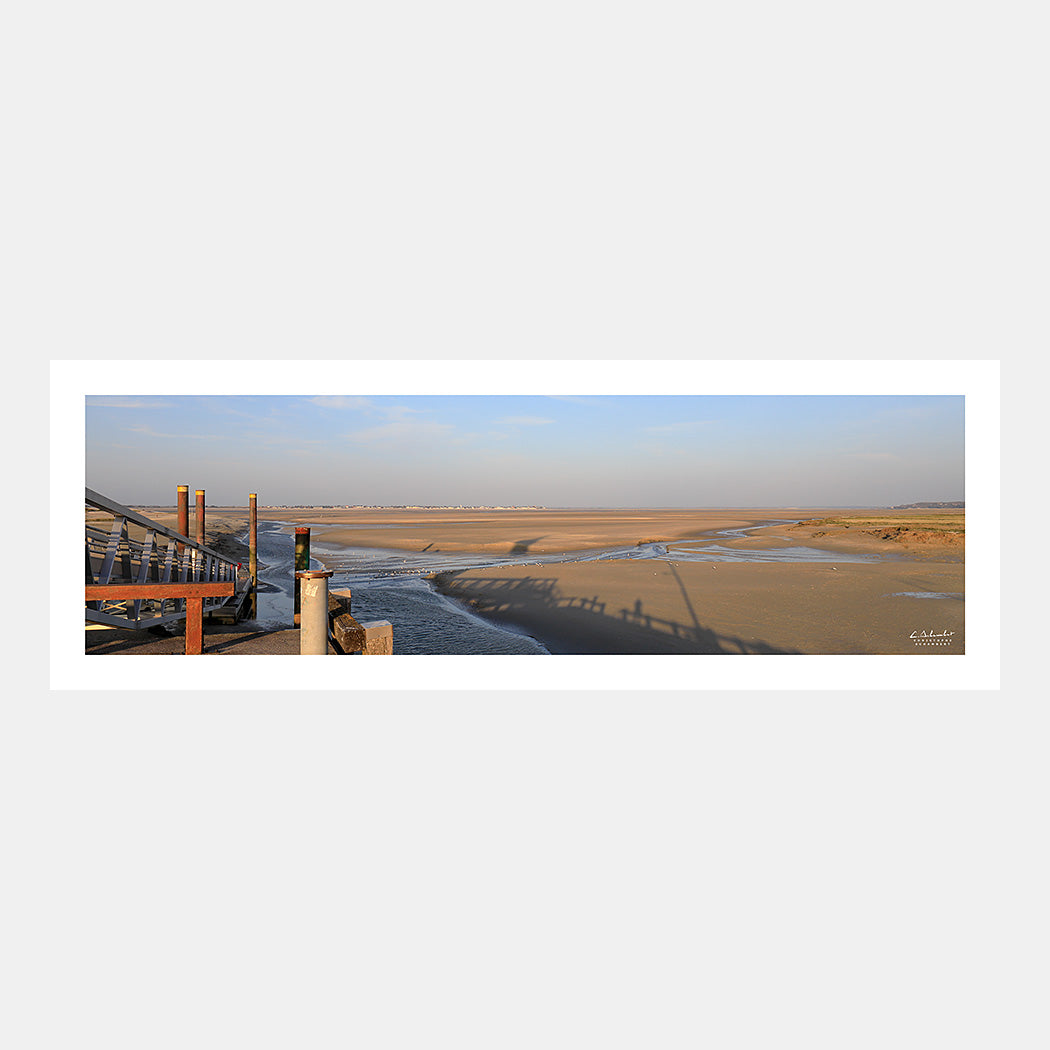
<point x="161" y="556"/>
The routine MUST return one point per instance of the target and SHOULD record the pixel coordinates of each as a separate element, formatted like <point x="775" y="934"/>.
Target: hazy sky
<point x="601" y="451"/>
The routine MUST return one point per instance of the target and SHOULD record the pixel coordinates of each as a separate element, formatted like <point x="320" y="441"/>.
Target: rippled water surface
<point x="425" y="622"/>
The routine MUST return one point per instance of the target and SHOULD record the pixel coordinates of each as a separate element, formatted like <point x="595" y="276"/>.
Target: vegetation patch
<point x="932" y="528"/>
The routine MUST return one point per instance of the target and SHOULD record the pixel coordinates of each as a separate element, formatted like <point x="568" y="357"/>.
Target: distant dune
<point x="952" y="505"/>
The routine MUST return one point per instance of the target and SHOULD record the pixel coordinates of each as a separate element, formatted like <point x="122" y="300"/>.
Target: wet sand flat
<point x="646" y="607"/>
<point x="527" y="531"/>
<point x="482" y="531"/>
<point x="516" y="531"/>
<point x="542" y="531"/>
<point x="834" y="607"/>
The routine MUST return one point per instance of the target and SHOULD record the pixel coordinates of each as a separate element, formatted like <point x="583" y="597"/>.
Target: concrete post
<point x="313" y="637"/>
<point x="253" y="553"/>
<point x="302" y="564"/>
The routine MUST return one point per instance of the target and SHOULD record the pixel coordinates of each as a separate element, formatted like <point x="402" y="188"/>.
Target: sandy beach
<point x="881" y="606"/>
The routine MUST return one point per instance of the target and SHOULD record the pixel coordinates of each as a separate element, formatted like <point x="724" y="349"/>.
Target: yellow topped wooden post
<point x="183" y="512"/>
<point x="253" y="550"/>
<point x="200" y="516"/>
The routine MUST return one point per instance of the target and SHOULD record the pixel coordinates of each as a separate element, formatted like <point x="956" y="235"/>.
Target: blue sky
<point x="601" y="451"/>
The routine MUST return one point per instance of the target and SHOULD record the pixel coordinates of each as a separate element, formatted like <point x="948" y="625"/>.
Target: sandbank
<point x="538" y="531"/>
<point x="515" y="531"/>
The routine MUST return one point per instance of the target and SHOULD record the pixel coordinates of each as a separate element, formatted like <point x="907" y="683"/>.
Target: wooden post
<point x="200" y="516"/>
<point x="302" y="564"/>
<point x="194" y="626"/>
<point x="183" y="505"/>
<point x="253" y="552"/>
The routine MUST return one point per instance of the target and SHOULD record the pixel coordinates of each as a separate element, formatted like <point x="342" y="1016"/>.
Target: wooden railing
<point x="142" y="581"/>
<point x="192" y="594"/>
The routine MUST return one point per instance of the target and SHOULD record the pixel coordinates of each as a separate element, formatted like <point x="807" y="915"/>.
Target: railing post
<point x="253" y="552"/>
<point x="200" y="516"/>
<point x="194" y="626"/>
<point x="302" y="564"/>
<point x="313" y="637"/>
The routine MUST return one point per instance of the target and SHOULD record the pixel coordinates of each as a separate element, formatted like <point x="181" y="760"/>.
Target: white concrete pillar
<point x="313" y="623"/>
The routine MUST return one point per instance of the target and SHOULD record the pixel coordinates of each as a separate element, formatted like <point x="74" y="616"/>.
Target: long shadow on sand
<point x="523" y="546"/>
<point x="581" y="625"/>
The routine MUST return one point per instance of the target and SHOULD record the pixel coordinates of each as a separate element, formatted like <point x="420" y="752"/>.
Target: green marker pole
<point x="302" y="564"/>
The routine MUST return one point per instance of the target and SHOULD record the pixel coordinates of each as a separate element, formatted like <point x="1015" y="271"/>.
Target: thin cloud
<point x="91" y="401"/>
<point x="402" y="430"/>
<point x="348" y="402"/>
<point x="525" y="421"/>
<point x="150" y="432"/>
<point x="240" y="413"/>
<point x="341" y="401"/>
<point x="397" y="413"/>
<point x="679" y="428"/>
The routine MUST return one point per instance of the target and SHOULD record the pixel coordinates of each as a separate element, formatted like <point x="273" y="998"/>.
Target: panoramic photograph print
<point x="542" y="525"/>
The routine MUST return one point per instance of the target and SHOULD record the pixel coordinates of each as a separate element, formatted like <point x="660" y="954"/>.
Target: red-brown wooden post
<point x="194" y="626"/>
<point x="183" y="505"/>
<point x="253" y="551"/>
<point x="253" y="548"/>
<point x="200" y="516"/>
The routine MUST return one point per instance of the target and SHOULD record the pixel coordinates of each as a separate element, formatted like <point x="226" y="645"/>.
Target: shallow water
<point x="425" y="622"/>
<point x="716" y="552"/>
<point x="926" y="594"/>
<point x="393" y="585"/>
<point x="709" y="550"/>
